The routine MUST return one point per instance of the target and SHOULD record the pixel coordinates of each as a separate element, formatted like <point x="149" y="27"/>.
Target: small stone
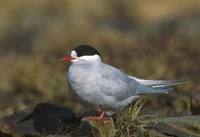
<point x="195" y="104"/>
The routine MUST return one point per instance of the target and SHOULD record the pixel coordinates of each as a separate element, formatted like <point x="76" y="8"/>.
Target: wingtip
<point x="180" y="82"/>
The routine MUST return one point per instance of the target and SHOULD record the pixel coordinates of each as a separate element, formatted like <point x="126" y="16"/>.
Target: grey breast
<point x="100" y="83"/>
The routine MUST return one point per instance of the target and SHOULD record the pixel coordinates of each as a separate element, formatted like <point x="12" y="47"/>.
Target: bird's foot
<point x="100" y="116"/>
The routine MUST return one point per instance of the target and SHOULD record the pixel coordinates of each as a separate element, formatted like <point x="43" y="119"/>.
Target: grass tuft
<point x="131" y="122"/>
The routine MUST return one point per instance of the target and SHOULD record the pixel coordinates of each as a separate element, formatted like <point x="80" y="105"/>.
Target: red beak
<point x="66" y="58"/>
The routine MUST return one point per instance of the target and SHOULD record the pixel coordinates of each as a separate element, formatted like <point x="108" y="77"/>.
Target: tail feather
<point x="156" y="86"/>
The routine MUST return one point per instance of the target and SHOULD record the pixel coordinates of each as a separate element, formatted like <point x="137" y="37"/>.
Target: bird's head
<point x="82" y="52"/>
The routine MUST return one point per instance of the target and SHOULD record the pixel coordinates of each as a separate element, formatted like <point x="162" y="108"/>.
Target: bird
<point x="106" y="87"/>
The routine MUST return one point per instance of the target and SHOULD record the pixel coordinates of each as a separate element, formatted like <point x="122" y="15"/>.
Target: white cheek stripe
<point x="74" y="54"/>
<point x="87" y="58"/>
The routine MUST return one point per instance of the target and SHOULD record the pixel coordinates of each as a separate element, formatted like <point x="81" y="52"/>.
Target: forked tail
<point x="156" y="86"/>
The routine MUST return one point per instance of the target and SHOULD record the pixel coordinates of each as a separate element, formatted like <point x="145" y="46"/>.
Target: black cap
<point x="86" y="50"/>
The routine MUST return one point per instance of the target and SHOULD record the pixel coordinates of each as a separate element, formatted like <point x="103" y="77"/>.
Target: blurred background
<point x="151" y="39"/>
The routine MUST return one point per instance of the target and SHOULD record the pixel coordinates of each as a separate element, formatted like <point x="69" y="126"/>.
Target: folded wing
<point x="156" y="86"/>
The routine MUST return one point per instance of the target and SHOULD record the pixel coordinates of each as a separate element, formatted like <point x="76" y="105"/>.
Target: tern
<point x="105" y="87"/>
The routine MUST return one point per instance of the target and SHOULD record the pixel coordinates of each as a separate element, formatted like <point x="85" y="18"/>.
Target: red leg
<point x="102" y="114"/>
<point x="99" y="116"/>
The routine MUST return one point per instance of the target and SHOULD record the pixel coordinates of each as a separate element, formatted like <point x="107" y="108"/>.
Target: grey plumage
<point x="105" y="86"/>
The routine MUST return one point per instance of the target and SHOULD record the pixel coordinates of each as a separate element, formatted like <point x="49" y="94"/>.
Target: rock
<point x="154" y="133"/>
<point x="54" y="121"/>
<point x="4" y="134"/>
<point x="104" y="128"/>
<point x="41" y="119"/>
<point x="58" y="136"/>
<point x="185" y="126"/>
<point x="86" y="130"/>
<point x="7" y="100"/>
<point x="195" y="104"/>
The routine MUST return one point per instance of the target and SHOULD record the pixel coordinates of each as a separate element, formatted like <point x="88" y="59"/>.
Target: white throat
<point x="92" y="58"/>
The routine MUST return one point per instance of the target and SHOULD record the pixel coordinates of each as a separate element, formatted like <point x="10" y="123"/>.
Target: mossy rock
<point x="96" y="128"/>
<point x="183" y="126"/>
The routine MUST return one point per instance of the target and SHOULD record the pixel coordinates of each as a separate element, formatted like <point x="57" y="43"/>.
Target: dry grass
<point x="131" y="123"/>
